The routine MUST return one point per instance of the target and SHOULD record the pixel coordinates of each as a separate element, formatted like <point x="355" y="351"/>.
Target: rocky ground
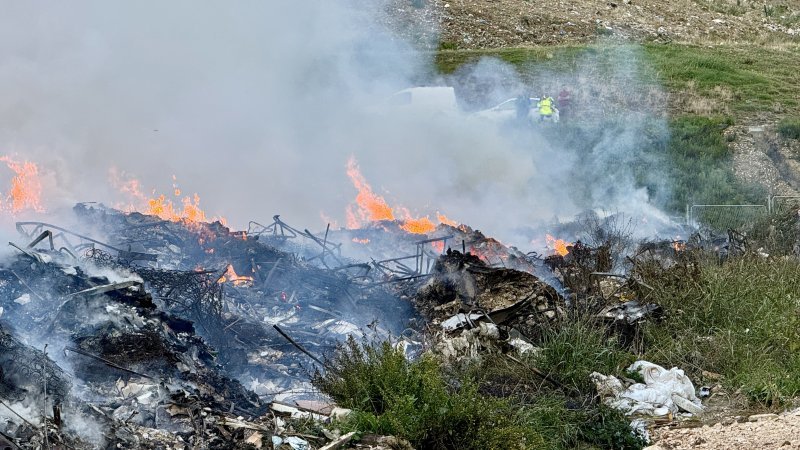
<point x="504" y="23"/>
<point x="762" y="431"/>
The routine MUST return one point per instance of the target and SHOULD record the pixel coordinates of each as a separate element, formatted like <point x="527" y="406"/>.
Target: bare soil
<point x="762" y="431"/>
<point x="515" y="23"/>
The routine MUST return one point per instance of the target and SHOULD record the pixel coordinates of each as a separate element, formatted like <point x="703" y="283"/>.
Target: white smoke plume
<point x="256" y="106"/>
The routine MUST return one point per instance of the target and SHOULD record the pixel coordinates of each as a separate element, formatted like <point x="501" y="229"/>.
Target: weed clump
<point x="608" y="428"/>
<point x="392" y="396"/>
<point x="789" y="128"/>
<point x="740" y="318"/>
<point x="574" y="349"/>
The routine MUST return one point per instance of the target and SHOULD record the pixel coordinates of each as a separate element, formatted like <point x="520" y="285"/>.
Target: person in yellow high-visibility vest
<point x="545" y="106"/>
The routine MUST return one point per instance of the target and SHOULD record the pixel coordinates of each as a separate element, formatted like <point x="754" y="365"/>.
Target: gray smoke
<point x="256" y="106"/>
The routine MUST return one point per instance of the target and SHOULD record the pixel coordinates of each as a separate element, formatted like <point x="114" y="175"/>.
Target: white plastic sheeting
<point x="663" y="391"/>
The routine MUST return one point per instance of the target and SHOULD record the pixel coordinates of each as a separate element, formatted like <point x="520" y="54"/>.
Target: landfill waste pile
<point x="130" y="331"/>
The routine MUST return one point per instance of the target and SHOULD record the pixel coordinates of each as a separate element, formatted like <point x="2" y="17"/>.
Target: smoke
<point x="257" y="106"/>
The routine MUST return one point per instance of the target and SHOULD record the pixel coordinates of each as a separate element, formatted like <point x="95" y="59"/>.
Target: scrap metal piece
<point x="106" y="288"/>
<point x="631" y="312"/>
<point x="106" y="362"/>
<point x="30" y="229"/>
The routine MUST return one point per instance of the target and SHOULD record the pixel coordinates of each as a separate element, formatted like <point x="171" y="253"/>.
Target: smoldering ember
<point x="400" y="224"/>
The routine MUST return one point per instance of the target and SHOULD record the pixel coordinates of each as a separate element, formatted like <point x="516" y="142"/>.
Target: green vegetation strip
<point x="435" y="407"/>
<point x="740" y="319"/>
<point x="757" y="78"/>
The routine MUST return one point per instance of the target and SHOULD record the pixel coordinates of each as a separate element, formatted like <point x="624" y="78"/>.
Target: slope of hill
<point x="504" y="23"/>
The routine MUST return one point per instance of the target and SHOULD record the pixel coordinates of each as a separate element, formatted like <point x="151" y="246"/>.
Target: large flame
<point x="175" y="209"/>
<point x="26" y="187"/>
<point x="559" y="245"/>
<point x="371" y="207"/>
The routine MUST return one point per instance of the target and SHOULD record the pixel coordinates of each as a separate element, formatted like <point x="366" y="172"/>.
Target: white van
<point x="426" y="99"/>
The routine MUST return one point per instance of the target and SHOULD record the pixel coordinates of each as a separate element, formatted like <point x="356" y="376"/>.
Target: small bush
<point x="572" y="350"/>
<point x="390" y="395"/>
<point x="789" y="128"/>
<point x="565" y="422"/>
<point x="609" y="428"/>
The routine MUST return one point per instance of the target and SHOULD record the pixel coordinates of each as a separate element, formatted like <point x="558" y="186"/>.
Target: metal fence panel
<point x="782" y="203"/>
<point x="723" y="217"/>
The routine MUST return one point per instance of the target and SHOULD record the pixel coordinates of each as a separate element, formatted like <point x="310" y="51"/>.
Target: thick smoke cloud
<point x="256" y="106"/>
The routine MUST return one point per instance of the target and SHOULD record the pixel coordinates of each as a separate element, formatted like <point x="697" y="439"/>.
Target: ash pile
<point x="129" y="331"/>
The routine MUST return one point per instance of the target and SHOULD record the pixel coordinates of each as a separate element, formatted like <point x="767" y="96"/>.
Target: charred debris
<point x="137" y="332"/>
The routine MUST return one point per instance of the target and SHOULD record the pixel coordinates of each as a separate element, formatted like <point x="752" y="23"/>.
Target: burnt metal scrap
<point x="182" y="334"/>
<point x="114" y="360"/>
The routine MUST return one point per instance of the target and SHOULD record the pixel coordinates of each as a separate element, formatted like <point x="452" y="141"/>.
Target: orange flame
<point x="678" y="245"/>
<point x="438" y="246"/>
<point x="26" y="187"/>
<point x="361" y="241"/>
<point x="559" y="245"/>
<point x="445" y="220"/>
<point x="371" y="207"/>
<point x="182" y="209"/>
<point x="422" y="225"/>
<point x="231" y="276"/>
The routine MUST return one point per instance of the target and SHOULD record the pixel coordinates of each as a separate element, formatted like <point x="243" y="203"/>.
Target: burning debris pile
<point x="184" y="334"/>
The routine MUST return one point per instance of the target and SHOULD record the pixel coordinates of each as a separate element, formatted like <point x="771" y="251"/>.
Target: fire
<point x="361" y="241"/>
<point x="422" y="225"/>
<point x="445" y="220"/>
<point x="678" y="245"/>
<point x="230" y="275"/>
<point x="559" y="245"/>
<point x="371" y="207"/>
<point x="438" y="246"/>
<point x="185" y="209"/>
<point x="26" y="187"/>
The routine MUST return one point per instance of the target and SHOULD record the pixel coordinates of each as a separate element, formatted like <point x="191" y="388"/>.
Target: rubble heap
<point x="180" y="334"/>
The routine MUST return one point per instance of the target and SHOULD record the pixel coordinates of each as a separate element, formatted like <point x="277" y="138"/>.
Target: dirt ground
<point x="761" y="431"/>
<point x="503" y="23"/>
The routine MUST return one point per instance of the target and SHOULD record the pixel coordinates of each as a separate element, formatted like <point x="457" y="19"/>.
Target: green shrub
<point x="448" y="45"/>
<point x="573" y="349"/>
<point x="609" y="428"/>
<point x="789" y="128"/>
<point x="390" y="395"/>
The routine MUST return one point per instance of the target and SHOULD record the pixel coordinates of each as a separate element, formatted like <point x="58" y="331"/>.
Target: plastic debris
<point x="663" y="391"/>
<point x="295" y="443"/>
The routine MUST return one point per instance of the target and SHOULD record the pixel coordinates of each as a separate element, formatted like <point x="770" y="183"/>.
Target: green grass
<point x="392" y="396"/>
<point x="700" y="165"/>
<point x="789" y="127"/>
<point x="574" y="349"/>
<point x="688" y="161"/>
<point x="758" y="78"/>
<point x="434" y="408"/>
<point x="740" y="319"/>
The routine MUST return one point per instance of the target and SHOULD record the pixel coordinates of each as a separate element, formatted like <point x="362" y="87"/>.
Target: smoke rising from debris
<point x="257" y="106"/>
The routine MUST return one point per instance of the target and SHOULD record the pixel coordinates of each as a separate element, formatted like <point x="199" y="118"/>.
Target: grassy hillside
<point x="698" y="91"/>
<point x="734" y="80"/>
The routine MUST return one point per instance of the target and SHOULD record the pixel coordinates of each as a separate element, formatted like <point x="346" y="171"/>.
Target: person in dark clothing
<point x="563" y="102"/>
<point x="523" y="106"/>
